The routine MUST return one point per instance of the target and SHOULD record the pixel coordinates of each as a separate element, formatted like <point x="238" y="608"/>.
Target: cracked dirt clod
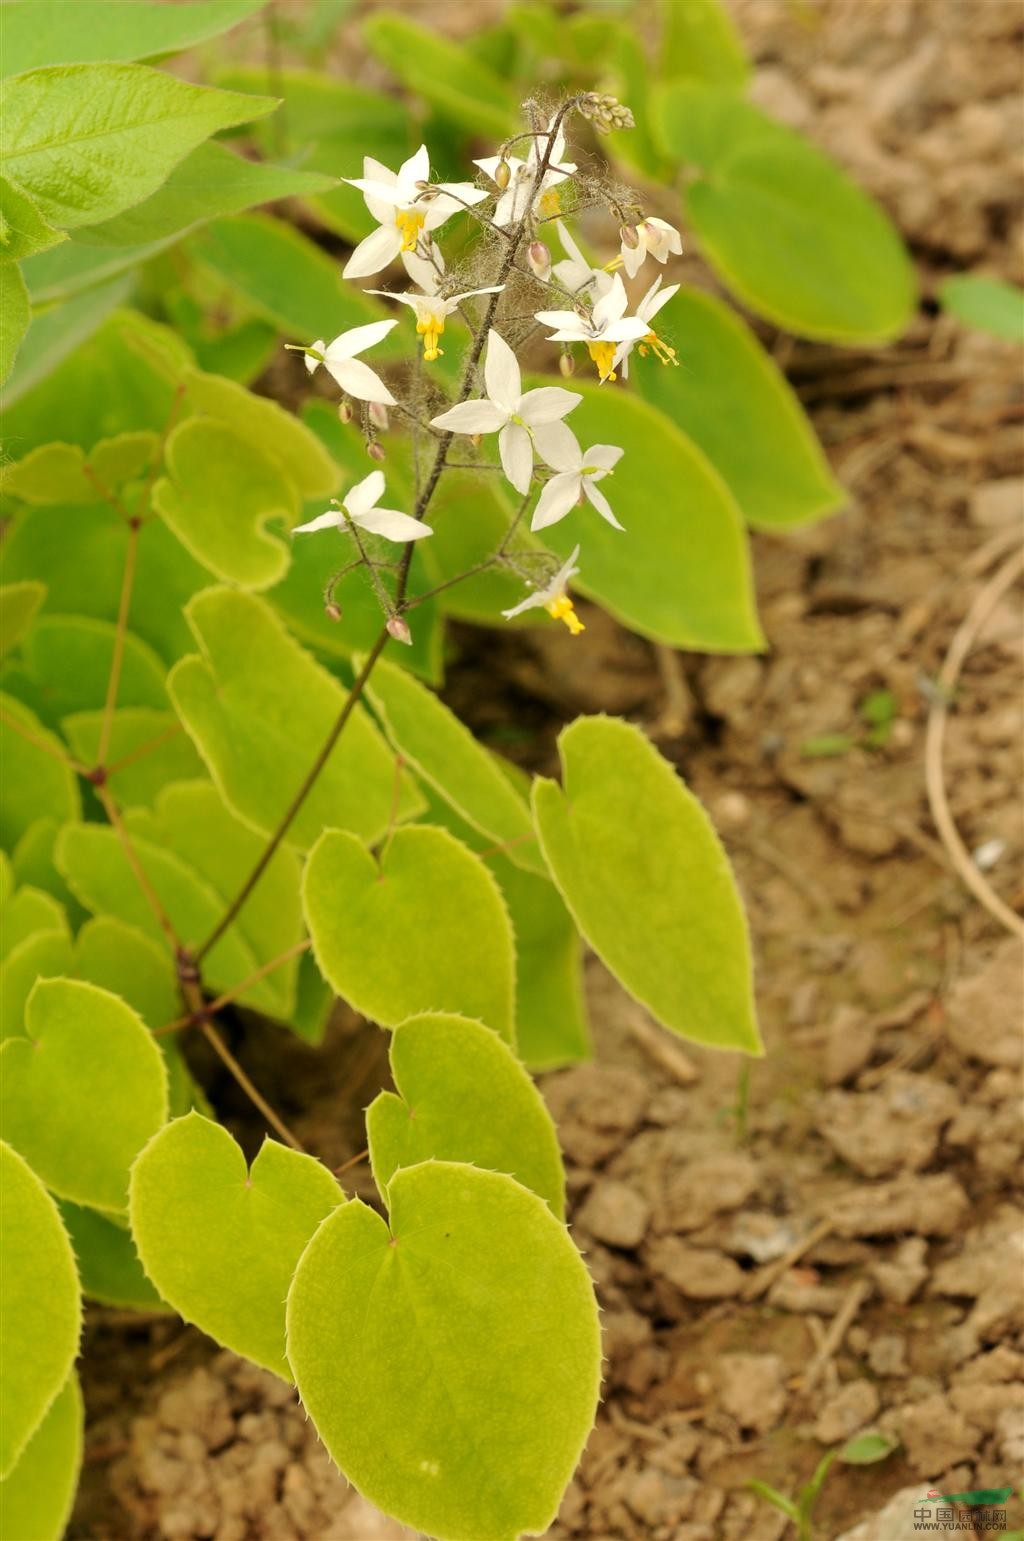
<point x="849" y="1410"/>
<point x="751" y="1389"/>
<point x="615" y="1214"/>
<point x="892" y="1129"/>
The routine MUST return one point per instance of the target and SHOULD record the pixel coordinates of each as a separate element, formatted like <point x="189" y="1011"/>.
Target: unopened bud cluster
<point x="605" y="112"/>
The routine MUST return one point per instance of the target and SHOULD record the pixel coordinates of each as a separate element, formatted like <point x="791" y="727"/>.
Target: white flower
<point x="432" y="312"/>
<point x="578" y="471"/>
<point x="510" y="413"/>
<point x="406" y="205"/>
<point x="647" y="309"/>
<point x="339" y="359"/>
<point x="359" y="506"/>
<point x="601" y="329"/>
<point x="654" y="236"/>
<point x="512" y="204"/>
<point x="575" y="272"/>
<point x="554" y="598"/>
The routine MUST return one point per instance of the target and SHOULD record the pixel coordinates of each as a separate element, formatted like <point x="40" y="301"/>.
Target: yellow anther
<point x="549" y="204"/>
<point x="603" y="354"/>
<point x="430" y="329"/>
<point x="562" y="610"/>
<point x="613" y="265"/>
<point x="410" y="224"/>
<point x="661" y="350"/>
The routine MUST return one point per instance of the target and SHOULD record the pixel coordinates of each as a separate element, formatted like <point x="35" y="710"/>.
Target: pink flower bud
<point x="345" y="411"/>
<point x="566" y="365"/>
<point x="332" y="611"/>
<point x="629" y="237"/>
<point x="397" y="628"/>
<point x="539" y="258"/>
<point x="378" y="414"/>
<point x="375" y="450"/>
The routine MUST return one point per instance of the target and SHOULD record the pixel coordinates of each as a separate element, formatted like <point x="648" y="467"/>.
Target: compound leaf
<point x="19" y="605"/>
<point x="36" y="782"/>
<point x="52" y="32"/>
<point x="642" y="872"/>
<point x="259" y="708"/>
<point x="463" y="1096"/>
<point x="82" y="1091"/>
<point x="789" y="232"/>
<point x="443" y="752"/>
<point x="735" y="403"/>
<point x="85" y="141"/>
<point x="450" y="1358"/>
<point x="36" y="1498"/>
<point x="40" y="1305"/>
<point x="108" y="1264"/>
<point x="219" y="496"/>
<point x="681" y="572"/>
<point x="423" y="927"/>
<point x="245" y="1230"/>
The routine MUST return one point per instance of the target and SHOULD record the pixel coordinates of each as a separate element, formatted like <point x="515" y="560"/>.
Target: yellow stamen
<point x="549" y="204"/>
<point x="430" y="329"/>
<point x="661" y="350"/>
<point x="614" y="264"/>
<point x="562" y="610"/>
<point x="410" y="224"/>
<point x="603" y="354"/>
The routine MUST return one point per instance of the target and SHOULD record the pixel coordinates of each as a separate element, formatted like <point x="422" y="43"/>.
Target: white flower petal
<point x="606" y="456"/>
<point x="313" y="364"/>
<point x="329" y="521"/>
<point x="374" y="253"/>
<point x="390" y="195"/>
<point x="560" y="318"/>
<point x="376" y="171"/>
<point x="425" y="272"/>
<point x="412" y="300"/>
<point x="633" y="258"/>
<point x="569" y="245"/>
<point x="611" y="305"/>
<point x="600" y="502"/>
<point x="547" y="404"/>
<point x="468" y="295"/>
<point x="652" y="302"/>
<point x="392" y="524"/>
<point x="358" y="379"/>
<point x="364" y="494"/>
<point x="416" y="168"/>
<point x="622" y="331"/>
<point x="501" y="372"/>
<point x="556" y="500"/>
<point x="516" y="454"/>
<point x="357" y="339"/>
<point x="480" y="416"/>
<point x="558" y="447"/>
<point x="531" y="602"/>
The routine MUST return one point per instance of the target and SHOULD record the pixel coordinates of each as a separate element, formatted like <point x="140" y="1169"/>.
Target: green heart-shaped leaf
<point x="259" y="707"/>
<point x="82" y="1091"/>
<point x="642" y="871"/>
<point x="35" y="1499"/>
<point x="220" y="1242"/>
<point x="108" y="1264"/>
<point x="451" y="1358"/>
<point x="40" y="1305"/>
<point x="789" y="232"/>
<point x="34" y="783"/>
<point x="463" y="1096"/>
<point x="424" y="928"/>
<point x="19" y="603"/>
<point x="444" y="753"/>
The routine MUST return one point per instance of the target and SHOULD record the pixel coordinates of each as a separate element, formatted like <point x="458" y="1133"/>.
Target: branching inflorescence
<point x="507" y="291"/>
